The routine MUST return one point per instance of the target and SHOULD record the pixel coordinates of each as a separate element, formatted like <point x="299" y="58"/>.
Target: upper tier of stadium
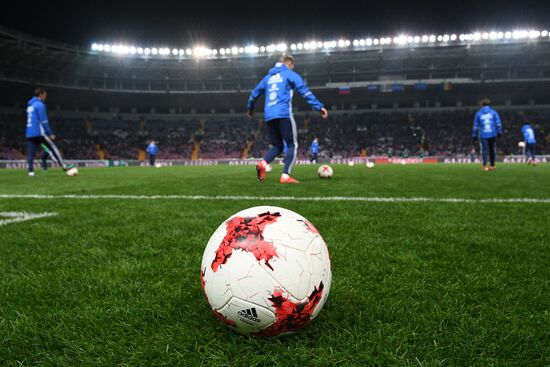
<point x="511" y="68"/>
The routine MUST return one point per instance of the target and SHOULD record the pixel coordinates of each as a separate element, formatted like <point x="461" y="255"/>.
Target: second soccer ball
<point x="72" y="172"/>
<point x="325" y="171"/>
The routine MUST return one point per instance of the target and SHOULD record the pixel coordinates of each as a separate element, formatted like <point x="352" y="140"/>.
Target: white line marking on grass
<point x="370" y="199"/>
<point x="16" y="217"/>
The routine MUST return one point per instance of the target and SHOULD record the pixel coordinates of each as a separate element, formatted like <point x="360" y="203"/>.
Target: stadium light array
<point x="401" y="40"/>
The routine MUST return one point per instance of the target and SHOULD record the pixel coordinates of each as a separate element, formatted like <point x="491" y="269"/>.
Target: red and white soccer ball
<point x="266" y="271"/>
<point x="72" y="172"/>
<point x="325" y="171"/>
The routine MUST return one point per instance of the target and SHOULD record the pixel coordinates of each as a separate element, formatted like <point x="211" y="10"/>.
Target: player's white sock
<point x="284" y="175"/>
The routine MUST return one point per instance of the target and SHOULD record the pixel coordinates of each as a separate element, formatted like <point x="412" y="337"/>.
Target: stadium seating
<point x="433" y="133"/>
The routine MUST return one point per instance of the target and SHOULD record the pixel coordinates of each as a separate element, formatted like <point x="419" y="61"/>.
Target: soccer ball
<point x="158" y="165"/>
<point x="266" y="271"/>
<point x="521" y="144"/>
<point x="370" y="164"/>
<point x="325" y="171"/>
<point x="351" y="163"/>
<point x="72" y="172"/>
<point x="268" y="168"/>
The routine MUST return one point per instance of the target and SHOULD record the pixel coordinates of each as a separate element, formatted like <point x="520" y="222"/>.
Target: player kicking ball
<point x="39" y="134"/>
<point x="279" y="86"/>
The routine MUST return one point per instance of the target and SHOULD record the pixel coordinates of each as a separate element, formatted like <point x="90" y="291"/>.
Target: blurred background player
<point x="152" y="150"/>
<point x="279" y="86"/>
<point x="530" y="141"/>
<point x="314" y="149"/>
<point x="39" y="133"/>
<point x="487" y="127"/>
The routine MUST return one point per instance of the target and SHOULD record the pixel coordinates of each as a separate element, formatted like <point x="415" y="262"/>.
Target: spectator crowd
<point x="422" y="133"/>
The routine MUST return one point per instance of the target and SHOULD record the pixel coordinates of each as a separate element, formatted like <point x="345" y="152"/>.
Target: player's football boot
<point x="260" y="171"/>
<point x="288" y="180"/>
<point x="492" y="168"/>
<point x="485" y="168"/>
<point x="68" y="167"/>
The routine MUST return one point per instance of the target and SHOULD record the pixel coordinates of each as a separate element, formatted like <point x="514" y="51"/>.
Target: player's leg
<point x="492" y="151"/>
<point x="313" y="158"/>
<point x="289" y="132"/>
<point x="274" y="133"/>
<point x="151" y="160"/>
<point x="484" y="146"/>
<point x="49" y="147"/>
<point x="31" y="149"/>
<point x="531" y="156"/>
<point x="44" y="159"/>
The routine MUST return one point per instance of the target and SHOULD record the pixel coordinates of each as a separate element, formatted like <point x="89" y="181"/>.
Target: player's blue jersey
<point x="314" y="148"/>
<point x="152" y="149"/>
<point x="279" y="86"/>
<point x="528" y="134"/>
<point x="37" y="119"/>
<point x="487" y="124"/>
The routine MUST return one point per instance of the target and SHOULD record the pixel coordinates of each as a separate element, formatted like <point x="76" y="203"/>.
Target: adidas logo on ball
<point x="249" y="314"/>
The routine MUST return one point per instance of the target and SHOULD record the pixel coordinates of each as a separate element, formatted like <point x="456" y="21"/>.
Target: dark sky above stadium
<point x="186" y="23"/>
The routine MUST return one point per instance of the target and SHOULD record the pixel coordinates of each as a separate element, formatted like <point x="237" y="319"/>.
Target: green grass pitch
<point x="115" y="282"/>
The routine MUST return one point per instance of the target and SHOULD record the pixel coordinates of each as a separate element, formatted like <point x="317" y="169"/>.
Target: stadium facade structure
<point x="386" y="77"/>
<point x="432" y="79"/>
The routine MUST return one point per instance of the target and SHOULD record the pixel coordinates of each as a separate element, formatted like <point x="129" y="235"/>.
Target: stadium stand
<point x="397" y="100"/>
<point x="413" y="133"/>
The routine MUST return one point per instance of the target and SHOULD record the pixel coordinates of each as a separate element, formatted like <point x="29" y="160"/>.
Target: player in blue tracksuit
<point x="279" y="86"/>
<point x="39" y="133"/>
<point x="314" y="149"/>
<point x="530" y="142"/>
<point x="152" y="150"/>
<point x="487" y="127"/>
